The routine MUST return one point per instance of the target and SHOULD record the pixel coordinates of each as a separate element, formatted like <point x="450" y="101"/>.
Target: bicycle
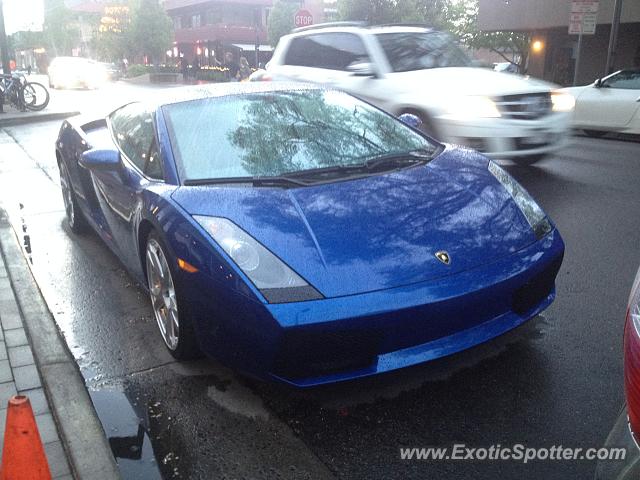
<point x="23" y="95"/>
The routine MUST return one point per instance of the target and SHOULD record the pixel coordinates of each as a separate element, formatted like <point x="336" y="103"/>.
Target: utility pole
<point x="4" y="45"/>
<point x="613" y="38"/>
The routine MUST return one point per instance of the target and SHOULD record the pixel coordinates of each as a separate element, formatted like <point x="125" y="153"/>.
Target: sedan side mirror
<point x="100" y="159"/>
<point x="598" y="83"/>
<point x="362" y="69"/>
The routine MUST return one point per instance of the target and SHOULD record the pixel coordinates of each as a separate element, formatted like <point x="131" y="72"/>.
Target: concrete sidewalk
<point x="34" y="361"/>
<point x="19" y="375"/>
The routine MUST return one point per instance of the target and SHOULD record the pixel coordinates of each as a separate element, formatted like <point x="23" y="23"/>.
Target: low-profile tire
<point x="169" y="306"/>
<point x="529" y="159"/>
<point x="75" y="218"/>
<point x="595" y="133"/>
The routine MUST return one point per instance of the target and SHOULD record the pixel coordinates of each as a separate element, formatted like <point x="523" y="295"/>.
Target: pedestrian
<point x="232" y="67"/>
<point x="195" y="68"/>
<point x="29" y="69"/>
<point x="184" y="68"/>
<point x="245" y="69"/>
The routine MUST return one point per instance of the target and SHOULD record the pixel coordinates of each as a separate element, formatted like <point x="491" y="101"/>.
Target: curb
<point x="80" y="430"/>
<point x="25" y="118"/>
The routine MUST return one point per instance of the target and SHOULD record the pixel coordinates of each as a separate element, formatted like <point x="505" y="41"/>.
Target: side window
<point x="153" y="165"/>
<point x="627" y="80"/>
<point x="333" y="51"/>
<point x="133" y="128"/>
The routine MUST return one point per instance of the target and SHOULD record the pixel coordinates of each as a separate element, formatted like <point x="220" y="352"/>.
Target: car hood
<point x="381" y="231"/>
<point x="456" y="81"/>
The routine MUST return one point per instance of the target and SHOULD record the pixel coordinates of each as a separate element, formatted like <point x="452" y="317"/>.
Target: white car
<point x="406" y="69"/>
<point x="610" y="104"/>
<point x="76" y="72"/>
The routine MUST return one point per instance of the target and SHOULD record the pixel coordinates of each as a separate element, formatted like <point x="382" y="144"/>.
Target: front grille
<point x="527" y="106"/>
<point x="310" y="353"/>
<point x="537" y="289"/>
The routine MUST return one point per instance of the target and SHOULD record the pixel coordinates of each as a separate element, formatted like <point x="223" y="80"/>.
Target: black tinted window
<point x="134" y="133"/>
<point x="334" y="51"/>
<point x="627" y="80"/>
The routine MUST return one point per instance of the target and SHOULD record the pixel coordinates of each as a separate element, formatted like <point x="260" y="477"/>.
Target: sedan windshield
<point x="420" y="50"/>
<point x="275" y="134"/>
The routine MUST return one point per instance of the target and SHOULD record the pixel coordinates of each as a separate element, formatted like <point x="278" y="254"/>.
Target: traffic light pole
<point x="4" y="45"/>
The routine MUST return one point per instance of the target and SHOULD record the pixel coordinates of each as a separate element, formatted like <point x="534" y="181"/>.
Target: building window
<point x="177" y="23"/>
<point x="214" y="16"/>
<point x="196" y="21"/>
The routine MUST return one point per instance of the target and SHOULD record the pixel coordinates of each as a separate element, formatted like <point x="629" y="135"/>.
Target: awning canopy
<point x="252" y="48"/>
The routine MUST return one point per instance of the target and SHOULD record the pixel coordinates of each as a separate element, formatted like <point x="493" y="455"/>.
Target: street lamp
<point x="537" y="46"/>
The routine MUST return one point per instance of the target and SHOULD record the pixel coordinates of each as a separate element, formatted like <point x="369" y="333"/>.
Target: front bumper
<point x="331" y="340"/>
<point x="500" y="138"/>
<point x="621" y="436"/>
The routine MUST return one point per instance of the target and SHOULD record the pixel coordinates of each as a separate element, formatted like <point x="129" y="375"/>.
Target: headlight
<point x="275" y="280"/>
<point x="562" y="102"/>
<point x="527" y="205"/>
<point x="472" y="107"/>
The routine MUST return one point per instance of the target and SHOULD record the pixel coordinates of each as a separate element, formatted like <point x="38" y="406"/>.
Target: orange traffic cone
<point x="23" y="456"/>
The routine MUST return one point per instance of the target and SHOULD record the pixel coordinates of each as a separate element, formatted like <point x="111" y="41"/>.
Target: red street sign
<point x="303" y="18"/>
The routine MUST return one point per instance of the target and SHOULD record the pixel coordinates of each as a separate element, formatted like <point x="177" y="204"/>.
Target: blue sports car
<point x="301" y="235"/>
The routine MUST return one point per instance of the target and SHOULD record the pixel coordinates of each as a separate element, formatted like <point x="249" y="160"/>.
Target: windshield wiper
<point x="403" y="159"/>
<point x="278" y="181"/>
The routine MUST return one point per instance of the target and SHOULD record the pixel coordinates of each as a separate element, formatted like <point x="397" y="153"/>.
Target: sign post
<point x="582" y="21"/>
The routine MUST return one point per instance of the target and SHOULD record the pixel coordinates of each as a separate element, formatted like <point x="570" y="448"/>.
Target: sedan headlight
<point x="562" y="102"/>
<point x="275" y="280"/>
<point x="527" y="205"/>
<point x="472" y="107"/>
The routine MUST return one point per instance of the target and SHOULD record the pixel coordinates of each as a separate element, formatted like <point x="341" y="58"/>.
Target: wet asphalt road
<point x="558" y="382"/>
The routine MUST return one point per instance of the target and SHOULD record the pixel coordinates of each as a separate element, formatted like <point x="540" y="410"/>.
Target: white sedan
<point x="610" y="104"/>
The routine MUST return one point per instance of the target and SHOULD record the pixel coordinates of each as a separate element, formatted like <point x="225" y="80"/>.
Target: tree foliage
<point x="280" y="21"/>
<point x="151" y="30"/>
<point x="113" y="40"/>
<point x="60" y="28"/>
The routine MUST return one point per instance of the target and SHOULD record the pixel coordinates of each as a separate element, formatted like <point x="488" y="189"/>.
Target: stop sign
<point x="303" y="18"/>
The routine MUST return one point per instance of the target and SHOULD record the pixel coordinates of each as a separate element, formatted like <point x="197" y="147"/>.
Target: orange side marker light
<point x="186" y="266"/>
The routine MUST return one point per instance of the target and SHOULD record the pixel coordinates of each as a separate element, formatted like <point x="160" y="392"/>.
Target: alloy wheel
<point x="163" y="294"/>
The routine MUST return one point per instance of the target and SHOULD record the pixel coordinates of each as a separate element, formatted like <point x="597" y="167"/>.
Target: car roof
<point x="185" y="94"/>
<point x="374" y="29"/>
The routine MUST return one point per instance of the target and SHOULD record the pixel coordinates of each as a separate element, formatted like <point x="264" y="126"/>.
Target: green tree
<point x="151" y="30"/>
<point x="113" y="40"/>
<point x="371" y="11"/>
<point x="60" y="28"/>
<point x="464" y="24"/>
<point x="280" y="21"/>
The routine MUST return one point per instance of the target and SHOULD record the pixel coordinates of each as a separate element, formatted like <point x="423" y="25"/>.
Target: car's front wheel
<point x="168" y="305"/>
<point x="75" y="218"/>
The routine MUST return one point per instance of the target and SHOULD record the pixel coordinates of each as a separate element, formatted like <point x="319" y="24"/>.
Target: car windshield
<point x="279" y="133"/>
<point x="407" y="51"/>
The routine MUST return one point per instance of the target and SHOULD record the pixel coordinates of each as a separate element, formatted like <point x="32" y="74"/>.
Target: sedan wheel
<point x="174" y="325"/>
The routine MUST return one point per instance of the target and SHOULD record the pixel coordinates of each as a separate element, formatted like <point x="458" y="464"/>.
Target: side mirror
<point x="598" y="83"/>
<point x="362" y="69"/>
<point x="411" y="120"/>
<point x="99" y="159"/>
